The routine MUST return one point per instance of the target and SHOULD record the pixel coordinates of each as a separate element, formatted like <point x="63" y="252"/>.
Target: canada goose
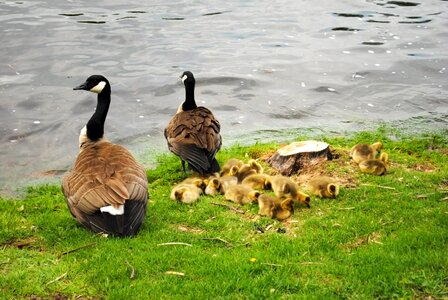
<point x="303" y="198"/>
<point x="362" y="152"/>
<point x="265" y="205"/>
<point x="241" y="194"/>
<point x="186" y="193"/>
<point x="231" y="167"/>
<point x="252" y="167"/>
<point x="284" y="187"/>
<point x="255" y="166"/>
<point x="193" y="132"/>
<point x="107" y="189"/>
<point x="283" y="210"/>
<point x="197" y="181"/>
<point x="324" y="187"/>
<point x="275" y="208"/>
<point x="375" y="166"/>
<point x="258" y="181"/>
<point x="213" y="186"/>
<point x="226" y="182"/>
<point x="244" y="171"/>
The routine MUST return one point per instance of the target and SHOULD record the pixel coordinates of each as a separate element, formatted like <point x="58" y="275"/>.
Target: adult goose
<point x="107" y="189"/>
<point x="193" y="132"/>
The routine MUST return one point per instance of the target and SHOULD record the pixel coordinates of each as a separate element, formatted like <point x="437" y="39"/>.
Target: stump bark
<point x="292" y="158"/>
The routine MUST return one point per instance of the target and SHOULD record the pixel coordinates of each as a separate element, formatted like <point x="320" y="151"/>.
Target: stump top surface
<point x="302" y="147"/>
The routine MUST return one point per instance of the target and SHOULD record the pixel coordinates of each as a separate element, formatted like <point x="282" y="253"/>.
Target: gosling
<point x="361" y="152"/>
<point x="226" y="182"/>
<point x="241" y="194"/>
<point x="231" y="167"/>
<point x="258" y="181"/>
<point x="275" y="208"/>
<point x="285" y="187"/>
<point x="324" y="187"/>
<point x="213" y="186"/>
<point x="375" y="166"/>
<point x="186" y="193"/>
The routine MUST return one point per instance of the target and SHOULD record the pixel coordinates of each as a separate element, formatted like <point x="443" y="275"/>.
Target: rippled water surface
<point x="334" y="65"/>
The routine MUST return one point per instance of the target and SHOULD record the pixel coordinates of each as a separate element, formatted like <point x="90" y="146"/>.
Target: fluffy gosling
<point x="375" y="166"/>
<point x="241" y="194"/>
<point x="275" y="208"/>
<point x="284" y="187"/>
<point x="186" y="193"/>
<point x="362" y="152"/>
<point x="324" y="187"/>
<point x="258" y="181"/>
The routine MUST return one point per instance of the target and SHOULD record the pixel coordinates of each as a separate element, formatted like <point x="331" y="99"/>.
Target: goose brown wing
<point x="104" y="174"/>
<point x="194" y="135"/>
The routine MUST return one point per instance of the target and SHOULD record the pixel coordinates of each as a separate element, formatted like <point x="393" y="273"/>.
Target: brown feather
<point x="103" y="174"/>
<point x="194" y="135"/>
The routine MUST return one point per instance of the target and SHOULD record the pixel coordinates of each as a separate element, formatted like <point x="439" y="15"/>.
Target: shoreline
<point x="419" y="125"/>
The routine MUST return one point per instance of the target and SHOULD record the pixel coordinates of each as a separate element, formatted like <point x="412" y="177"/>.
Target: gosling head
<point x="377" y="146"/>
<point x="95" y="84"/>
<point x="384" y="157"/>
<point x="333" y="190"/>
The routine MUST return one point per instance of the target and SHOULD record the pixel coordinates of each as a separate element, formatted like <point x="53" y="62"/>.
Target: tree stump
<point x="292" y="158"/>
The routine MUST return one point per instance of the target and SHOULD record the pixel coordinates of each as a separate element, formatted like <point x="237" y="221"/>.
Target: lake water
<point x="259" y="65"/>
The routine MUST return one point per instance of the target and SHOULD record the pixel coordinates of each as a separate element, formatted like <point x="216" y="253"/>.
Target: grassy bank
<point x="383" y="237"/>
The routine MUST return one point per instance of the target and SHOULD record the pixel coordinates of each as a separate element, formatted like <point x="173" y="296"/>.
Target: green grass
<point x="383" y="237"/>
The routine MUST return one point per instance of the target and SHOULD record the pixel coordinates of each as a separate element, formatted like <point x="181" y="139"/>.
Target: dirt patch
<point x="340" y="167"/>
<point x="60" y="297"/>
<point x="53" y="297"/>
<point x="423" y="167"/>
<point x="184" y="228"/>
<point x="26" y="243"/>
<point x="373" y="238"/>
<point x="443" y="151"/>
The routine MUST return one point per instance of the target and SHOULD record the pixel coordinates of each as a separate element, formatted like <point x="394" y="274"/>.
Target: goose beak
<point x="81" y="87"/>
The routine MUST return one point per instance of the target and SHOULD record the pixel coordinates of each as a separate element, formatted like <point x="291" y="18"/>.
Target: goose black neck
<point x="189" y="103"/>
<point x="95" y="126"/>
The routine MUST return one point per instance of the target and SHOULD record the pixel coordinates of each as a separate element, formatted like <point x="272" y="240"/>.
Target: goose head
<point x="94" y="128"/>
<point x="95" y="84"/>
<point x="189" y="83"/>
<point x="188" y="78"/>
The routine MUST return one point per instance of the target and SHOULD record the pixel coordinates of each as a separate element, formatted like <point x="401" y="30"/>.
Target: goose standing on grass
<point x="107" y="189"/>
<point x="193" y="132"/>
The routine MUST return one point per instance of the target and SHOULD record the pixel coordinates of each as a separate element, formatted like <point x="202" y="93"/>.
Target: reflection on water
<point x="260" y="65"/>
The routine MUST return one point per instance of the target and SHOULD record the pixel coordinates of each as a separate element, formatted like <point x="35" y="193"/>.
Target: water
<point x="259" y="65"/>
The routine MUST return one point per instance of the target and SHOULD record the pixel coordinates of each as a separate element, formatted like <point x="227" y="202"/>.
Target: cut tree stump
<point x="292" y="158"/>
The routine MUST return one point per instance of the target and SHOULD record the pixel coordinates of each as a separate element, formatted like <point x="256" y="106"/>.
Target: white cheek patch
<point x="184" y="77"/>
<point x="99" y="87"/>
<point x="112" y="210"/>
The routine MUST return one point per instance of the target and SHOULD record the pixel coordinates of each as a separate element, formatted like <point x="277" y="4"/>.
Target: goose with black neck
<point x="193" y="133"/>
<point x="107" y="189"/>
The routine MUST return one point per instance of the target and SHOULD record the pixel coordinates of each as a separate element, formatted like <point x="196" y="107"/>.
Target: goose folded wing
<point x="190" y="153"/>
<point x="88" y="194"/>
